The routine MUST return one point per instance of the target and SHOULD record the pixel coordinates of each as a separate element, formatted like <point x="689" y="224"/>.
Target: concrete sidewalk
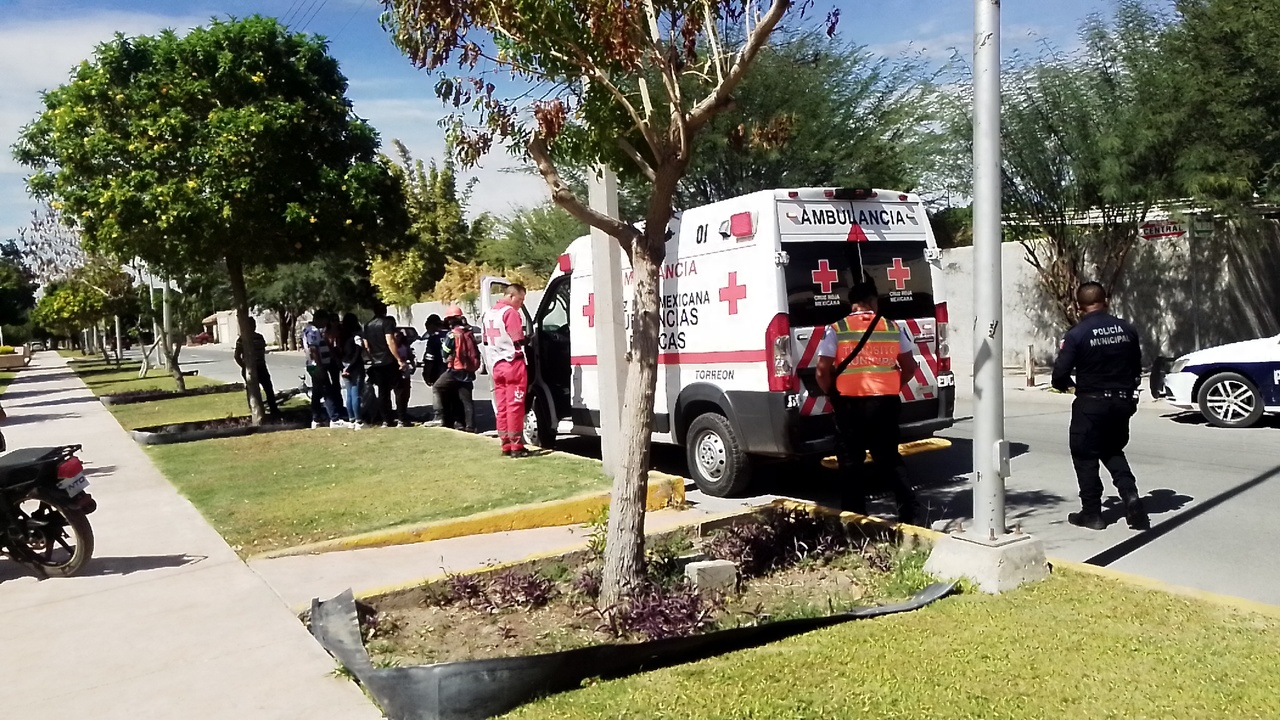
<point x="166" y="622"/>
<point x="300" y="578"/>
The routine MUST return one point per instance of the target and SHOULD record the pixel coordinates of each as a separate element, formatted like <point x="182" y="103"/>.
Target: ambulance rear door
<point x="832" y="237"/>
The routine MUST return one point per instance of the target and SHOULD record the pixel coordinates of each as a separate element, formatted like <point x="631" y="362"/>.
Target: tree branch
<point x="638" y="159"/>
<point x="563" y="196"/>
<point x="713" y="103"/>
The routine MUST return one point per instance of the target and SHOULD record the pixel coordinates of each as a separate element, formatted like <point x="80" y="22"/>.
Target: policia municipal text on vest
<point x="863" y="362"/>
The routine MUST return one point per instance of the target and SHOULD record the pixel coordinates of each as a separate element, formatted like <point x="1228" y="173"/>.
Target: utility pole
<point x="611" y="341"/>
<point x="986" y="552"/>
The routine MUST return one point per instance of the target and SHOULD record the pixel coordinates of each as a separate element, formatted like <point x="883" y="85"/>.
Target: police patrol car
<point x="1232" y="385"/>
<point x="746" y="289"/>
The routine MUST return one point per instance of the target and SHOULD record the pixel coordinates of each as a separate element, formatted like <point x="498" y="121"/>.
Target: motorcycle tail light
<point x="70" y="468"/>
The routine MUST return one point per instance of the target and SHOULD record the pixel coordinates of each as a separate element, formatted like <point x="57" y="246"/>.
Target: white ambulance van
<point x="747" y="287"/>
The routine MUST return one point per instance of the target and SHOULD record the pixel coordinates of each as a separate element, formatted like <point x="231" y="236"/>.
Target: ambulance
<point x="747" y="287"/>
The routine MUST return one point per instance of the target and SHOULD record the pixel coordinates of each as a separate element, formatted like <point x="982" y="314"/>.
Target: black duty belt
<point x="1110" y="394"/>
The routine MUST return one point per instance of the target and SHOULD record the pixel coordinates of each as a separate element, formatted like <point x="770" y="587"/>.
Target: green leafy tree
<point x="1086" y="154"/>
<point x="330" y="281"/>
<point x="67" y="308"/>
<point x="233" y="146"/>
<point x="815" y="112"/>
<point x="531" y="237"/>
<point x="1222" y="61"/>
<point x="583" y="54"/>
<point x="17" y="286"/>
<point x="440" y="231"/>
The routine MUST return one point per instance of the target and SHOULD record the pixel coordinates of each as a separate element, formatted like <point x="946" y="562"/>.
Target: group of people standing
<point x="450" y="363"/>
<point x="360" y="374"/>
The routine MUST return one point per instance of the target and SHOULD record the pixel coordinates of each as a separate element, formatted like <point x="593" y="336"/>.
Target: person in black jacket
<point x="1104" y="353"/>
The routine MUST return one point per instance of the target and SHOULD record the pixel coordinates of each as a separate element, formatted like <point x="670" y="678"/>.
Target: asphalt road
<point x="287" y="369"/>
<point x="1213" y="494"/>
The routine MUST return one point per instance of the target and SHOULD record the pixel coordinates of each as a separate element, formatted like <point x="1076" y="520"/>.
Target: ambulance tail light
<point x="941" y="319"/>
<point x="777" y="342"/>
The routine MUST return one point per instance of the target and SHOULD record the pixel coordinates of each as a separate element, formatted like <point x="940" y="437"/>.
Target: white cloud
<point x="37" y="55"/>
<point x="415" y="122"/>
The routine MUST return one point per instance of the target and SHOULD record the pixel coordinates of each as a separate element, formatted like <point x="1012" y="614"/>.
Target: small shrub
<point x="662" y="558"/>
<point x="906" y="576"/>
<point x="598" y="527"/>
<point x="587" y="583"/>
<point x="656" y="613"/>
<point x="780" y="539"/>
<point x="466" y="589"/>
<point x="519" y="589"/>
<point x="6" y="350"/>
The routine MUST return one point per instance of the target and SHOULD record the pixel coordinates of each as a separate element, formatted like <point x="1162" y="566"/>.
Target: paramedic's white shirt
<point x="827" y="348"/>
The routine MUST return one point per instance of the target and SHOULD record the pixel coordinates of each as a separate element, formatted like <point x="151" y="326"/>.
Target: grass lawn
<point x="104" y="379"/>
<point x="187" y="409"/>
<point x="6" y="377"/>
<point x="1075" y="646"/>
<point x="265" y="492"/>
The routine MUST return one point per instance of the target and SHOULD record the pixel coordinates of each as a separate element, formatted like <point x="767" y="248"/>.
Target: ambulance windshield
<point x="819" y="275"/>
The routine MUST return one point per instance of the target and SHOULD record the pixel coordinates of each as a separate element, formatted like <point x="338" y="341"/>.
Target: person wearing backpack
<point x="863" y="363"/>
<point x="455" y="385"/>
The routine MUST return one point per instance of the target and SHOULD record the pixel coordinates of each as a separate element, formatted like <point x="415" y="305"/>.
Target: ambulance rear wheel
<point x="716" y="460"/>
<point x="539" y="425"/>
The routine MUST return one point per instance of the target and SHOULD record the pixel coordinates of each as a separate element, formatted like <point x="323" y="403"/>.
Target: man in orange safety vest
<point x="863" y="362"/>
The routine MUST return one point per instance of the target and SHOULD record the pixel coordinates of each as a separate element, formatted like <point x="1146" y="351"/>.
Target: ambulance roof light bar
<point x="833" y="194"/>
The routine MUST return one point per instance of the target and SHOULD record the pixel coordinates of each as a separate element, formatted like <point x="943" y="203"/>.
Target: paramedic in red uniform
<point x="865" y="396"/>
<point x="504" y="338"/>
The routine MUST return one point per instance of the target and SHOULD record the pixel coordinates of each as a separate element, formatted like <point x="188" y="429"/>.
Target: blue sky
<point x="41" y="40"/>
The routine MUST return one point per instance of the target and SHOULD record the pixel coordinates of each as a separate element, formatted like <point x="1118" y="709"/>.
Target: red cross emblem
<point x="899" y="274"/>
<point x="824" y="277"/>
<point x="491" y="333"/>
<point x="732" y="293"/>
<point x="589" y="310"/>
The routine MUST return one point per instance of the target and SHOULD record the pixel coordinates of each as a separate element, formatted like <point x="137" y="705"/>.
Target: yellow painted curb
<point x="907" y="449"/>
<point x="664" y="491"/>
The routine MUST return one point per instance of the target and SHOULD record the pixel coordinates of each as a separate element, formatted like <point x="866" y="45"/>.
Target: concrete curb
<point x="872" y="525"/>
<point x="664" y="491"/>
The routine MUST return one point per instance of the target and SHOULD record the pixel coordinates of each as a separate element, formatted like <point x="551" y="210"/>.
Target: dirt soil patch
<point x="140" y="396"/>
<point x="287" y="417"/>
<point x="524" y="612"/>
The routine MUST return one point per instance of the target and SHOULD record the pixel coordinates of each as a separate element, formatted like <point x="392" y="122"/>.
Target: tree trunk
<point x="235" y="269"/>
<point x="624" y="541"/>
<point x="171" y="349"/>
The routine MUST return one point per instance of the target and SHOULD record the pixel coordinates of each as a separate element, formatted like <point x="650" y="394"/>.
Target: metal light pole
<point x="990" y="449"/>
<point x="986" y="552"/>
<point x="611" y="342"/>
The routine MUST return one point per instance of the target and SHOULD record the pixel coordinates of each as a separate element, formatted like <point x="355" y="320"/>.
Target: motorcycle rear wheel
<point x="58" y="538"/>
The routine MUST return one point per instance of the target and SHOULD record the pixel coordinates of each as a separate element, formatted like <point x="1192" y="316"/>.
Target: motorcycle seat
<point x="12" y="464"/>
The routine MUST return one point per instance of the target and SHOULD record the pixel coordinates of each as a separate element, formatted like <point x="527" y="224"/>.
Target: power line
<point x="353" y="17"/>
<point x="293" y="7"/>
<point x="303" y="9"/>
<point x="311" y="19"/>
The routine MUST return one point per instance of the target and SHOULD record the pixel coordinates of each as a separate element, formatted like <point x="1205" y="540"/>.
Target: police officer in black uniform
<point x="1104" y="353"/>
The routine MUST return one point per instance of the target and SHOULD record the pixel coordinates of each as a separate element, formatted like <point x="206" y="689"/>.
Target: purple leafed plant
<point x="466" y="589"/>
<point x="520" y="589"/>
<point x="655" y="613"/>
<point x="588" y="583"/>
<point x="780" y="539"/>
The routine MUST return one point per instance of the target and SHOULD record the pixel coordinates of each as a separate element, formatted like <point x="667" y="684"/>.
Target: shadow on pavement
<point x="36" y="417"/>
<point x="1192" y="417"/>
<point x="103" y="566"/>
<point x="1119" y="551"/>
<point x="1157" y="502"/>
<point x="57" y="402"/>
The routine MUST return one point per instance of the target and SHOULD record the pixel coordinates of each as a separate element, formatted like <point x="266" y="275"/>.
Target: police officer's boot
<point x="1136" y="513"/>
<point x="1090" y="516"/>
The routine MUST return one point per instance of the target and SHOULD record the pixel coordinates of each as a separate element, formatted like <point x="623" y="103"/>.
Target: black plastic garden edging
<point x="476" y="689"/>
<point x="155" y="436"/>
<point x="154" y="395"/>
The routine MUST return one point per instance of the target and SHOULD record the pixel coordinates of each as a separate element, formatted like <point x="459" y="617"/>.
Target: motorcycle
<point x="44" y="508"/>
